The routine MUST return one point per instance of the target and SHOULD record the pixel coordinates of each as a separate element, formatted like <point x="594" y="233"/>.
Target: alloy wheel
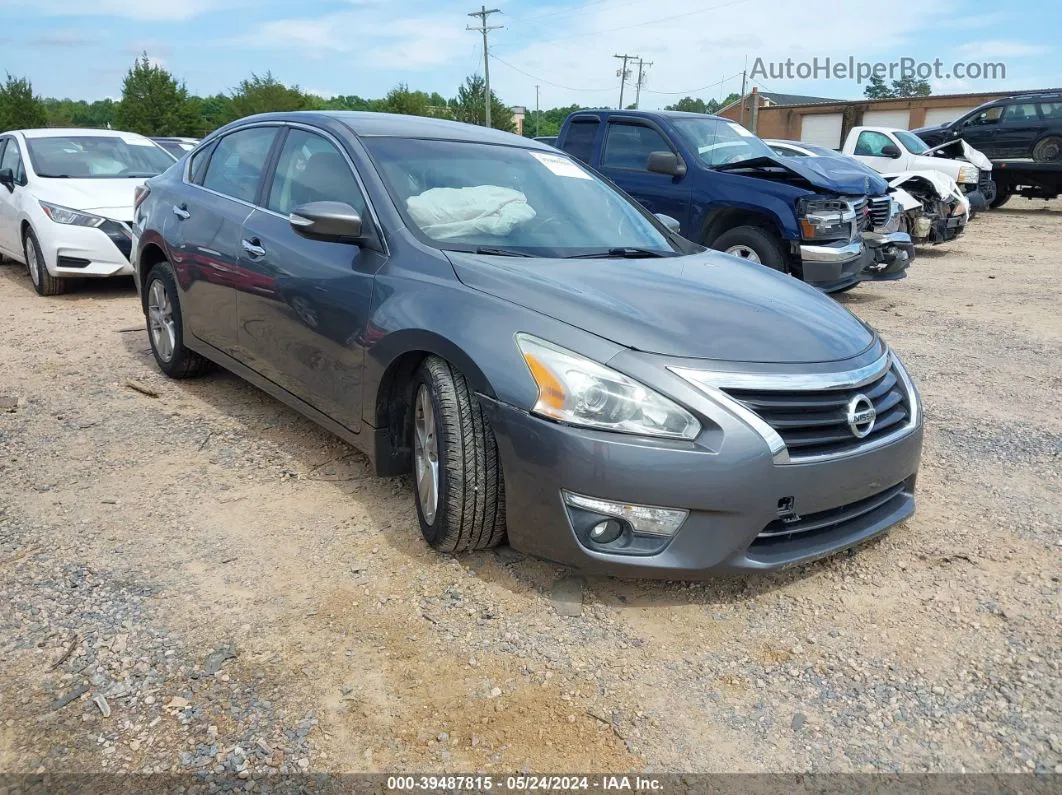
<point x="32" y="262"/>
<point x="160" y="321"/>
<point x="426" y="454"/>
<point x="745" y="252"/>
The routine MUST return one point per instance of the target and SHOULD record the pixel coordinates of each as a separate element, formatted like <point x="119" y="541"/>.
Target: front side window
<point x="628" y="146"/>
<point x="311" y="169"/>
<point x="466" y="196"/>
<point x="12" y="159"/>
<point x="579" y="140"/>
<point x="236" y="165"/>
<point x="96" y="157"/>
<point x="911" y="142"/>
<point x="985" y="117"/>
<point x="872" y="144"/>
<point x="1020" y="114"/>
<point x="720" y="142"/>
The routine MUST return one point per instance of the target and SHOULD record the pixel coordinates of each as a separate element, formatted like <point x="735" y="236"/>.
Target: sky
<point x="82" y="48"/>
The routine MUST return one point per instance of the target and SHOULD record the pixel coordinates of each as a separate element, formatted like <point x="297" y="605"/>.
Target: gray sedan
<point x="552" y="364"/>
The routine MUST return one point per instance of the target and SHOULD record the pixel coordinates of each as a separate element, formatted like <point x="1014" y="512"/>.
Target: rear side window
<point x="1017" y="114"/>
<point x="579" y="142"/>
<point x="236" y="165"/>
<point x="628" y="145"/>
<point x="1051" y="110"/>
<point x="311" y="169"/>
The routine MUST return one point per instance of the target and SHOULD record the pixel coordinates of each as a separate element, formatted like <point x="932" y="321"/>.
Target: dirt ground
<point x="206" y="581"/>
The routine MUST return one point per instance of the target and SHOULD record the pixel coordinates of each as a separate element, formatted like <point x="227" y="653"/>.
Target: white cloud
<point x="1000" y="48"/>
<point x="152" y="10"/>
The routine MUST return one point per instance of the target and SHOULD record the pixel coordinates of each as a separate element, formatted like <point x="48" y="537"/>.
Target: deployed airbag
<point x="444" y="213"/>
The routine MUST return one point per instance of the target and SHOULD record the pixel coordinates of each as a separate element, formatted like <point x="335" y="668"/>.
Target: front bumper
<point x="81" y="251"/>
<point x="733" y="494"/>
<point x="832" y="266"/>
<point x="891" y="253"/>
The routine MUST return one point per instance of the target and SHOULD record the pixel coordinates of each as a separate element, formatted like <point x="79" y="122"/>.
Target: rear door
<point x="305" y="305"/>
<point x="1019" y="128"/>
<point x="626" y="149"/>
<point x="207" y="230"/>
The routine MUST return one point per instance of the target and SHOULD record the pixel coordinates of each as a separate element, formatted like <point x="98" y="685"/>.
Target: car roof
<point x="651" y="114"/>
<point x="367" y="124"/>
<point x="61" y="132"/>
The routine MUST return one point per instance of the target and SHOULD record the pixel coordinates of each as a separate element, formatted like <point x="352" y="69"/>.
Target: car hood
<point x="838" y="174"/>
<point x="703" y="306"/>
<point x="111" y="198"/>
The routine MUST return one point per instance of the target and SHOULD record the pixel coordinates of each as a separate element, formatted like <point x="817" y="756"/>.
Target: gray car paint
<point x="407" y="299"/>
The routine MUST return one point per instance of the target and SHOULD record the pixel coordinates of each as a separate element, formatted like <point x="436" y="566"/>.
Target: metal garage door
<point x="935" y="116"/>
<point x="887" y="118"/>
<point x="823" y="129"/>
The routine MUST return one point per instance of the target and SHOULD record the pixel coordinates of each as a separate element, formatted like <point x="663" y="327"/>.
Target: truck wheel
<point x="754" y="244"/>
<point x="456" y="472"/>
<point x="1002" y="197"/>
<point x="1049" y="150"/>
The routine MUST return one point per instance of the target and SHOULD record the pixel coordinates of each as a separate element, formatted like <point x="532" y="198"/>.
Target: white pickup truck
<point x="889" y="150"/>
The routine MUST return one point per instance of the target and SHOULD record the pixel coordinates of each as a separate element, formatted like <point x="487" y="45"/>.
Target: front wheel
<point x="457" y="475"/>
<point x="752" y="244"/>
<point x="43" y="282"/>
<point x="1002" y="197"/>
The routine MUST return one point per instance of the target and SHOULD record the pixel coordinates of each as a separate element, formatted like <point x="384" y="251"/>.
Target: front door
<point x="980" y="130"/>
<point x="10" y="243"/>
<point x="870" y="148"/>
<point x="207" y="223"/>
<point x="627" y="146"/>
<point x="304" y="305"/>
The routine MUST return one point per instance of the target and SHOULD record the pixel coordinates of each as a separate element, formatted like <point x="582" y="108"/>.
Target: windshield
<point x="719" y="141"/>
<point x="911" y="142"/>
<point x="96" y="157"/>
<point x="468" y="196"/>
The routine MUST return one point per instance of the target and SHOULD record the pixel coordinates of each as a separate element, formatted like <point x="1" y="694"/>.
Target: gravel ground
<point x="205" y="582"/>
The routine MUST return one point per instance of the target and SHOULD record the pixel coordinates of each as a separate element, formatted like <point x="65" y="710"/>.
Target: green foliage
<point x="904" y="87"/>
<point x="470" y="106"/>
<point x="19" y="108"/>
<point x="549" y="121"/>
<point x="154" y="103"/>
<point x="266" y="94"/>
<point x="79" y="113"/>
<point x="696" y="105"/>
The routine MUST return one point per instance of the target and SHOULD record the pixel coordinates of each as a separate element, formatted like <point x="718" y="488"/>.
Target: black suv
<point x="1027" y="126"/>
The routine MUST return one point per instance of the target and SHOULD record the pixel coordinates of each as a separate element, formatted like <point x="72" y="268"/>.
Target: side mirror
<point x="890" y="150"/>
<point x="669" y="222"/>
<point x="7" y="179"/>
<point x="665" y="163"/>
<point x="335" y="222"/>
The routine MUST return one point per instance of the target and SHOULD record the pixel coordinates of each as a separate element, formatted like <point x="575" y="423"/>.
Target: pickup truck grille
<point x="859" y="206"/>
<point x="814" y="423"/>
<point x="880" y="209"/>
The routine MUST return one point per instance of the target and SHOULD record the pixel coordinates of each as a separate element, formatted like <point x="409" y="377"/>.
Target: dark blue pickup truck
<point x="827" y="221"/>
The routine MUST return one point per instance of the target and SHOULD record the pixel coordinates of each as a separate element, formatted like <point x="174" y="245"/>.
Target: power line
<point x="691" y="90"/>
<point x="623" y="73"/>
<point x="544" y="80"/>
<point x="483" y="13"/>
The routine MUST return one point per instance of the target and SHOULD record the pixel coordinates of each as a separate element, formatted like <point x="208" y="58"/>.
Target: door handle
<point x="251" y="247"/>
<point x="180" y="212"/>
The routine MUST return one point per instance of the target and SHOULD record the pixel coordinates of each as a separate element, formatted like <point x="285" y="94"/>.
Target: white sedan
<point x="66" y="201"/>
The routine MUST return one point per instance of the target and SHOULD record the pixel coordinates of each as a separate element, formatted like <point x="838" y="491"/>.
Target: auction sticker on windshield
<point x="561" y="166"/>
<point x="740" y="130"/>
<point x="135" y="140"/>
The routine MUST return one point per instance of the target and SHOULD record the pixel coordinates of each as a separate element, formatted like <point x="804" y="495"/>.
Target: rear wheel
<point x="753" y="244"/>
<point x="457" y="475"/>
<point x="43" y="282"/>
<point x="163" y="309"/>
<point x="1049" y="150"/>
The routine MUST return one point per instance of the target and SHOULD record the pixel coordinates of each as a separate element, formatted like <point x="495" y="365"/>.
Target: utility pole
<point x="538" y="113"/>
<point x="641" y="81"/>
<point x="483" y="13"/>
<point x="742" y="118"/>
<point x="623" y="73"/>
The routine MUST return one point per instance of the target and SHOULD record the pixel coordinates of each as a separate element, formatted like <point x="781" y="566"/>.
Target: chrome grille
<point x="815" y="422"/>
<point x="859" y="207"/>
<point x="880" y="210"/>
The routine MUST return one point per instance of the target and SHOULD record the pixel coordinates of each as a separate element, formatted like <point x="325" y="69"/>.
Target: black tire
<point x="1048" y="150"/>
<point x="470" y="504"/>
<point x="182" y="362"/>
<point x="43" y="282"/>
<point x="764" y="243"/>
<point x="1002" y="197"/>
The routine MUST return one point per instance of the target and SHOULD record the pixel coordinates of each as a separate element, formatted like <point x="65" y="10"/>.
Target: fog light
<point x="643" y="519"/>
<point x="606" y="532"/>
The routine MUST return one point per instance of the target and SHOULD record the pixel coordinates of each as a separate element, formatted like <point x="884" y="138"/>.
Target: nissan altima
<point x="550" y="362"/>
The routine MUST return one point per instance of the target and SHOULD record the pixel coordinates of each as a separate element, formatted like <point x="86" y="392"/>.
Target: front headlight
<point x="578" y="391"/>
<point x="825" y="219"/>
<point x="968" y="174"/>
<point x="64" y="215"/>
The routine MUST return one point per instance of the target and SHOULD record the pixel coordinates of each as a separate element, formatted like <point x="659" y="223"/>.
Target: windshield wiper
<point x="54" y="176"/>
<point x="501" y="252"/>
<point x="628" y="252"/>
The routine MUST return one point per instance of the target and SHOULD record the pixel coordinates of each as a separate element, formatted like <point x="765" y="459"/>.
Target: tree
<point x="469" y="106"/>
<point x="153" y="102"/>
<point x="412" y="103"/>
<point x="266" y="94"/>
<point x="19" y="108"/>
<point x="211" y="112"/>
<point x="877" y="89"/>
<point x="690" y="105"/>
<point x="909" y="87"/>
